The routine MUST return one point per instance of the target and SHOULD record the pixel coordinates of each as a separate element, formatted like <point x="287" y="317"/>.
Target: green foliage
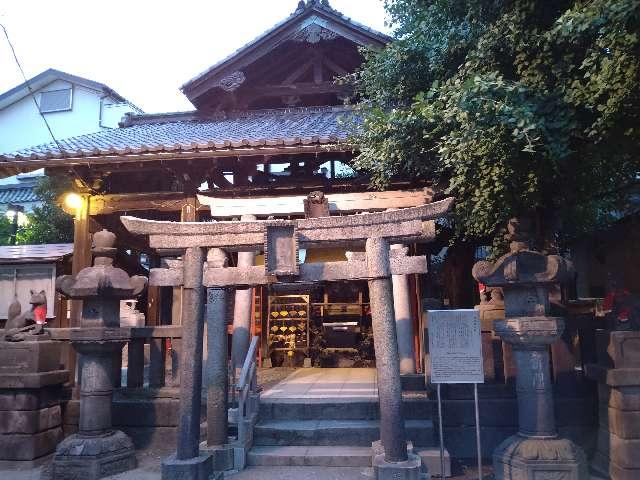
<point x="6" y="229"/>
<point x="48" y="223"/>
<point x="513" y="107"/>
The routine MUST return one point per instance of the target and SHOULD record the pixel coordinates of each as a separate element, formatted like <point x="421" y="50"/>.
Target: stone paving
<point x="325" y="383"/>
<point x="152" y="472"/>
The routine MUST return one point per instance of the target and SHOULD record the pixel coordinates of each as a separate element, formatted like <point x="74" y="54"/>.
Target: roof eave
<point x="14" y="163"/>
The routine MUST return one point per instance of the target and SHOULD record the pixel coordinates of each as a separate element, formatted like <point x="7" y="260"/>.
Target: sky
<point x="144" y="50"/>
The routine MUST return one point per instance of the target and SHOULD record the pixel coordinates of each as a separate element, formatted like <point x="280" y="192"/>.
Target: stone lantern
<point x="97" y="450"/>
<point x="536" y="451"/>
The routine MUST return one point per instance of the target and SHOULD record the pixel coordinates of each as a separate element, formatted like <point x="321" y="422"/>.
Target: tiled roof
<point x="17" y="193"/>
<point x="50" y="252"/>
<point x="190" y="132"/>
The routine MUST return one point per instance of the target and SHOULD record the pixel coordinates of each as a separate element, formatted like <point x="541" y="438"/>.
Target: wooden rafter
<point x="298" y="72"/>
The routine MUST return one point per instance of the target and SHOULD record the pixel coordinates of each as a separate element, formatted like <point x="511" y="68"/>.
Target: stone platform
<point x="31" y="395"/>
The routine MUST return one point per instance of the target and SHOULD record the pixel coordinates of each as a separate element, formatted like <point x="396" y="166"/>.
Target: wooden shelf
<point x="279" y="303"/>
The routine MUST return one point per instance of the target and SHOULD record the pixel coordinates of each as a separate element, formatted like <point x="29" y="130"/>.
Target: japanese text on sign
<point x="455" y="346"/>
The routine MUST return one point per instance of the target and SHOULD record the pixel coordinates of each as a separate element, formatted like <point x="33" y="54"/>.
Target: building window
<point x="55" y="100"/>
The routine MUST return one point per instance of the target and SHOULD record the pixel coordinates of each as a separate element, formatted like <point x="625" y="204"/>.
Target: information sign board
<point x="455" y="346"/>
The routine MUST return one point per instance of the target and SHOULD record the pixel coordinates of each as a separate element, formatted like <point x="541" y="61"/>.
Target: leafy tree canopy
<point x="512" y="106"/>
<point x="47" y="223"/>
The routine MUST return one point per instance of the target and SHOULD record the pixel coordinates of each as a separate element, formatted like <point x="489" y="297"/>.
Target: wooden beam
<point x="298" y="72"/>
<point x="334" y="67"/>
<point x="317" y="70"/>
<point x="278" y="202"/>
<point x="293" y="205"/>
<point x="306" y="88"/>
<point x="189" y="210"/>
<point x="131" y="202"/>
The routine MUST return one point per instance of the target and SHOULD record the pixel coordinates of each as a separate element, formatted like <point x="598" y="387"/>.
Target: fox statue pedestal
<point x="30" y="396"/>
<point x="618" y="375"/>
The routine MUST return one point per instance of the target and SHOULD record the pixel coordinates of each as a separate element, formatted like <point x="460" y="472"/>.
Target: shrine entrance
<point x="204" y="264"/>
<point x="319" y="325"/>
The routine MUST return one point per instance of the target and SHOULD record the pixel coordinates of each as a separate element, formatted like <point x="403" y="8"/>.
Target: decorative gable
<point x="293" y="64"/>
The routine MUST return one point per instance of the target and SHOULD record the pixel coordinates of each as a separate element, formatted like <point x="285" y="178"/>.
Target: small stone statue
<point x="624" y="310"/>
<point x="491" y="295"/>
<point x="19" y="325"/>
<point x="316" y="205"/>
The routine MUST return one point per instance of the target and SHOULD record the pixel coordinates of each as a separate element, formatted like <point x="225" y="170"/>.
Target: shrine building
<point x="269" y="138"/>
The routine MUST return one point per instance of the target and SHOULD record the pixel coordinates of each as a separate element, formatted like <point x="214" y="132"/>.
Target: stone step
<point x="304" y="455"/>
<point x="359" y="433"/>
<point x="416" y="407"/>
<point x="334" y="456"/>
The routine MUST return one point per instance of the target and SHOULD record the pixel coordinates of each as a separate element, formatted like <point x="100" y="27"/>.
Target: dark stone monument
<point x="30" y="395"/>
<point x="97" y="450"/>
<point x="536" y="452"/>
<point x="618" y="376"/>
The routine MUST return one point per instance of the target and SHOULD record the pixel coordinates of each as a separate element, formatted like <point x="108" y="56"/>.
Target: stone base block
<point x="413" y="382"/>
<point x="30" y="421"/>
<point x="222" y="456"/>
<point x="33" y="399"/>
<point x="603" y="466"/>
<point x="39" y="355"/>
<point x="22" y="381"/>
<point x="25" y="447"/>
<point x="306" y="363"/>
<point x="522" y="457"/>
<point x="623" y="423"/>
<point x="378" y="449"/>
<point x="26" y="464"/>
<point x="197" y="468"/>
<point x="430" y="457"/>
<point x="407" y="470"/>
<point x="623" y="452"/>
<point x="93" y="457"/>
<point x="431" y="461"/>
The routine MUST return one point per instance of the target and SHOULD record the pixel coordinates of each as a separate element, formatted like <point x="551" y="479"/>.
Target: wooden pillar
<point x="154" y="299"/>
<point x="81" y="259"/>
<point x="188" y="213"/>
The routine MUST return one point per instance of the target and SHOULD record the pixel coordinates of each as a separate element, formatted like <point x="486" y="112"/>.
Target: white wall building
<point x="72" y="106"/>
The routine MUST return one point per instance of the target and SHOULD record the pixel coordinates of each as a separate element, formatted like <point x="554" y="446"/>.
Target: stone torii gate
<point x="280" y="240"/>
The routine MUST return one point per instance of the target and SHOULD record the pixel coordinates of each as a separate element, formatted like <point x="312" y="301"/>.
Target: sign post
<point x="455" y="351"/>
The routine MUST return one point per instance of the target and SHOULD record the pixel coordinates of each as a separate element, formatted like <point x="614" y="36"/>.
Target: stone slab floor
<point x="325" y="384"/>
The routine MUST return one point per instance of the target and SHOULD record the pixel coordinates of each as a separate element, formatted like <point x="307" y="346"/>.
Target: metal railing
<point x="246" y="391"/>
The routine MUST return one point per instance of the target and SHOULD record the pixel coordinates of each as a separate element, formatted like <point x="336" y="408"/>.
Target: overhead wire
<point x="31" y="92"/>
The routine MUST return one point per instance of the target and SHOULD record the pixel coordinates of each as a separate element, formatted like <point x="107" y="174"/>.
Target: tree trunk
<point x="459" y="286"/>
